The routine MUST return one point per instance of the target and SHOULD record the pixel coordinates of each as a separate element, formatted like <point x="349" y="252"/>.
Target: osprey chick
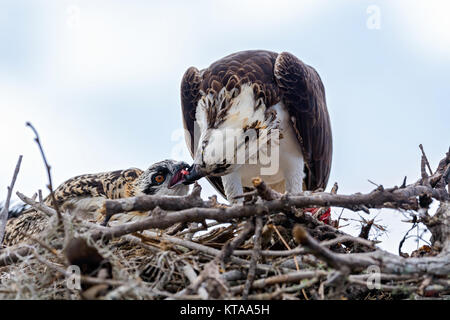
<point x="250" y="102"/>
<point x="84" y="195"/>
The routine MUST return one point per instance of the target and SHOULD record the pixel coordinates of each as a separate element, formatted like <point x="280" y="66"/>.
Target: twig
<point x="48" y="168"/>
<point x="284" y="278"/>
<point x="150" y="202"/>
<point x="400" y="253"/>
<point x="83" y="278"/>
<point x="375" y="184"/>
<point x="423" y="172"/>
<point x="199" y="247"/>
<point x="255" y="256"/>
<point x="286" y="245"/>
<point x="4" y="212"/>
<point x="53" y="251"/>
<point x="198" y="228"/>
<point x="365" y="229"/>
<point x="426" y="159"/>
<point x="227" y="250"/>
<point x="264" y="191"/>
<point x="300" y="251"/>
<point x="192" y="276"/>
<point x="301" y="236"/>
<point x="40" y="206"/>
<point x="12" y="256"/>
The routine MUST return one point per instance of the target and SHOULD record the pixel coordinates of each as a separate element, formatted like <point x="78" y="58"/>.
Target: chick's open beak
<point x="178" y="177"/>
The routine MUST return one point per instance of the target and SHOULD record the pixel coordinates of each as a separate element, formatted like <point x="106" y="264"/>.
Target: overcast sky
<point x="100" y="82"/>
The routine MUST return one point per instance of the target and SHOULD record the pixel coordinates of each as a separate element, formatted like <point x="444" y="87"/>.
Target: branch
<point x="301" y="251"/>
<point x="229" y="247"/>
<point x="40" y="206"/>
<point x="374" y="199"/>
<point x="12" y="256"/>
<point x="302" y="237"/>
<point x="385" y="198"/>
<point x="255" y="257"/>
<point x="48" y="168"/>
<point x="150" y="202"/>
<point x="387" y="262"/>
<point x="425" y="159"/>
<point x="264" y="191"/>
<point x="198" y="247"/>
<point x="284" y="278"/>
<point x="4" y="212"/>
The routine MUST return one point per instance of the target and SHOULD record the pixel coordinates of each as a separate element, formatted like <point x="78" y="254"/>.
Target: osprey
<point x="84" y="195"/>
<point x="263" y="92"/>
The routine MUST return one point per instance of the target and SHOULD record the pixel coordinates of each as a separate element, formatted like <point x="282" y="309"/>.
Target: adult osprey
<point x="262" y="91"/>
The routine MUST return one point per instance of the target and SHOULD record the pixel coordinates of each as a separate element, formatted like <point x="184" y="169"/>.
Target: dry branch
<point x="375" y="199"/>
<point x="4" y="211"/>
<point x="150" y="202"/>
<point x="12" y="256"/>
<point x="49" y="175"/>
<point x="255" y="257"/>
<point x="285" y="278"/>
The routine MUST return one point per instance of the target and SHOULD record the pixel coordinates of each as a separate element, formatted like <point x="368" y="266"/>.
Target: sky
<point x="100" y="82"/>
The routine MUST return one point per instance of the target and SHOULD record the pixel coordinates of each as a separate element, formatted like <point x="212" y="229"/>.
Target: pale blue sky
<point x="100" y="81"/>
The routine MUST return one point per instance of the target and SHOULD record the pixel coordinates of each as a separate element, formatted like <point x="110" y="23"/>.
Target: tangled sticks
<point x="271" y="247"/>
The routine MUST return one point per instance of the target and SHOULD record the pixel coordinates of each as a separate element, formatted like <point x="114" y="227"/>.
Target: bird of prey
<point x="84" y="195"/>
<point x="263" y="92"/>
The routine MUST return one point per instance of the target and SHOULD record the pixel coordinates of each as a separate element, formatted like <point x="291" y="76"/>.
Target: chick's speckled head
<point x="163" y="178"/>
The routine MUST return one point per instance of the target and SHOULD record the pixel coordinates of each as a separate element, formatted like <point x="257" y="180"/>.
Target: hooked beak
<point x="195" y="173"/>
<point x="179" y="176"/>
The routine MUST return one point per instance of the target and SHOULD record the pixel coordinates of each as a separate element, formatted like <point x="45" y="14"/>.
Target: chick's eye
<point x="159" y="178"/>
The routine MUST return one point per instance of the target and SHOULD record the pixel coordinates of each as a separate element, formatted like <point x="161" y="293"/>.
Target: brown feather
<point x="304" y="96"/>
<point x="111" y="185"/>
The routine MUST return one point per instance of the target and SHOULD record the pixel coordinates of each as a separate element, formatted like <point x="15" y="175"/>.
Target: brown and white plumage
<point x="261" y="90"/>
<point x="84" y="195"/>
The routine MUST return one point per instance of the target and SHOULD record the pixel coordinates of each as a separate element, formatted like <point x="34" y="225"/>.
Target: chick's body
<point x="84" y="196"/>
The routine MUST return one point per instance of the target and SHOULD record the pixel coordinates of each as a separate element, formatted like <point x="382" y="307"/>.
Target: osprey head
<point x="215" y="156"/>
<point x="163" y="178"/>
<point x="231" y="127"/>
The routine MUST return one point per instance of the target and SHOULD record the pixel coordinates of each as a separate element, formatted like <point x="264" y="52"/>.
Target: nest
<point x="190" y="264"/>
<point x="272" y="247"/>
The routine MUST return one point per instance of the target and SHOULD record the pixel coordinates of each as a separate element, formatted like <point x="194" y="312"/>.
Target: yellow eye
<point x="159" y="178"/>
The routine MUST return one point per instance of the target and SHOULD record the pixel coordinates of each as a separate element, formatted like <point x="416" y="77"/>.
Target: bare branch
<point x="4" y="212"/>
<point x="285" y="278"/>
<point x="12" y="256"/>
<point x="425" y="159"/>
<point x="237" y="241"/>
<point x="255" y="257"/>
<point x="48" y="168"/>
<point x="150" y="202"/>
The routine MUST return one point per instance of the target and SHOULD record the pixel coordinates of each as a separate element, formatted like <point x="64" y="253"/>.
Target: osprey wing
<point x="304" y="96"/>
<point x="111" y="185"/>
